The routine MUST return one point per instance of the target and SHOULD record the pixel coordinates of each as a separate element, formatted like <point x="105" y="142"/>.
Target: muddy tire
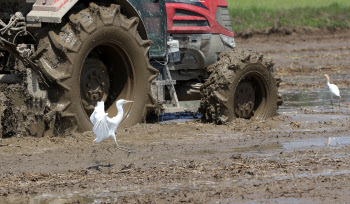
<point x="240" y="85"/>
<point x="97" y="55"/>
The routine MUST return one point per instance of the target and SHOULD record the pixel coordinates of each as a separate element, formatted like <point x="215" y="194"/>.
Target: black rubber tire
<point x="92" y="31"/>
<point x="233" y="70"/>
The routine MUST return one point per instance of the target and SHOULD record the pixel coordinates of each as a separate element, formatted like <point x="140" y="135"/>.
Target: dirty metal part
<point x="33" y="86"/>
<point x="94" y="83"/>
<point x="172" y="109"/>
<point x="12" y="48"/>
<point x="39" y="15"/>
<point x="189" y="91"/>
<point x="172" y="91"/>
<point x="34" y="24"/>
<point x="229" y="41"/>
<point x="189" y="75"/>
<point x="245" y="110"/>
<point x="164" y="82"/>
<point x="16" y="24"/>
<point x="198" y="51"/>
<point x="49" y="5"/>
<point x="245" y="98"/>
<point x="173" y="50"/>
<point x="158" y="89"/>
<point x="9" y="78"/>
<point x="25" y="50"/>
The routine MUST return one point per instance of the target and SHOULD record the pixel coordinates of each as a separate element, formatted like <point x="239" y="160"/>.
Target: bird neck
<point x="120" y="111"/>
<point x="328" y="81"/>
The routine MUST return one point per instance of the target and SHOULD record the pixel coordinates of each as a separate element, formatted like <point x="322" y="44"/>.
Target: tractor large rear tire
<point x="240" y="85"/>
<point x="97" y="55"/>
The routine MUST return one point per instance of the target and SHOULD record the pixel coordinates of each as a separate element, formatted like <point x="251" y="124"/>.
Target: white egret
<point x="106" y="127"/>
<point x="333" y="89"/>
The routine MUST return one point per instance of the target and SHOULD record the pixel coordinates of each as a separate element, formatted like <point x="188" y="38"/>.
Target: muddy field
<point x="300" y="156"/>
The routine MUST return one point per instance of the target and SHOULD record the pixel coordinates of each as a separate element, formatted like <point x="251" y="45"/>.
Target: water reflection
<point x="314" y="143"/>
<point x="311" y="97"/>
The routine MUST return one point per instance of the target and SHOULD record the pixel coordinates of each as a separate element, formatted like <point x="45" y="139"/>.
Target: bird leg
<point x="339" y="100"/>
<point x="332" y="100"/>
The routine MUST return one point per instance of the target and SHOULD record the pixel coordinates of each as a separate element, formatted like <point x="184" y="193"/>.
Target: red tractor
<point x="69" y="54"/>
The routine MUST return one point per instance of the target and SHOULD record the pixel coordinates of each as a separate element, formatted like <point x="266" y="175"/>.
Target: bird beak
<point x="129" y="101"/>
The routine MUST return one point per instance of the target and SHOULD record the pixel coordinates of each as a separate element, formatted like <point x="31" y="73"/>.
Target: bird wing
<point x="98" y="113"/>
<point x="102" y="123"/>
<point x="104" y="128"/>
<point x="334" y="89"/>
<point x="101" y="129"/>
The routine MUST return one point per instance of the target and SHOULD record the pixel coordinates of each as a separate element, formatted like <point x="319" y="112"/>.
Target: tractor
<point x="60" y="57"/>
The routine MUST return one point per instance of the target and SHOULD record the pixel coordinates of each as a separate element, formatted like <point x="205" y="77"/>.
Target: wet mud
<point x="300" y="156"/>
<point x="20" y="114"/>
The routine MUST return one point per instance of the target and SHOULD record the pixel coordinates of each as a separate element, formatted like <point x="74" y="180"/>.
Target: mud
<point x="302" y="60"/>
<point x="21" y="113"/>
<point x="300" y="156"/>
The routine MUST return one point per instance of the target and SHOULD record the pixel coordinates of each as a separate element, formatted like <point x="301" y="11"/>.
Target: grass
<point x="284" y="4"/>
<point x="255" y="15"/>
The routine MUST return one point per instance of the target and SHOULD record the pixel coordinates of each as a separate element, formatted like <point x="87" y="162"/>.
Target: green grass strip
<point x="255" y="18"/>
<point x="284" y="4"/>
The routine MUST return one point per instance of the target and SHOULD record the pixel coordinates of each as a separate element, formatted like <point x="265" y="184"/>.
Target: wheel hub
<point x="244" y="100"/>
<point x="94" y="83"/>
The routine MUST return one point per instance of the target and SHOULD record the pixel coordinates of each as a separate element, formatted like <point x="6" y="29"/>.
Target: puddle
<point x="268" y="149"/>
<point x="331" y="142"/>
<point x="190" y="114"/>
<point x="171" y="118"/>
<point x="317" y="100"/>
<point x="315" y="118"/>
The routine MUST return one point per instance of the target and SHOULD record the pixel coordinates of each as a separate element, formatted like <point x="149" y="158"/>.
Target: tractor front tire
<point x="240" y="85"/>
<point x="97" y="55"/>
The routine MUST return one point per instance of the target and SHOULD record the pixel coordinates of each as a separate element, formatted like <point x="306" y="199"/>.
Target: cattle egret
<point x="106" y="127"/>
<point x="333" y="89"/>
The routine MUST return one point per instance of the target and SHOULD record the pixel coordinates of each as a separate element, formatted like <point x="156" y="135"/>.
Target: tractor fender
<point x="52" y="12"/>
<point x="129" y="11"/>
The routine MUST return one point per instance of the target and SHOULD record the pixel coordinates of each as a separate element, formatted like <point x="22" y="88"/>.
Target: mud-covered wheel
<point x="98" y="55"/>
<point x="240" y="85"/>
